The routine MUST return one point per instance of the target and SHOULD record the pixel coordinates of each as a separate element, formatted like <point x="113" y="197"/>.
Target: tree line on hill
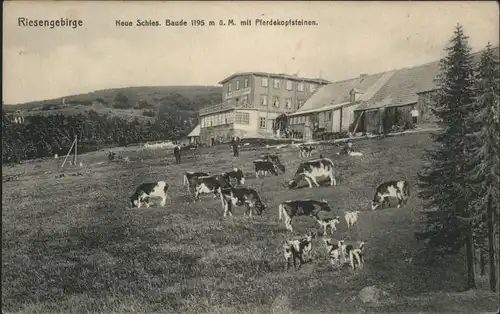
<point x="460" y="180"/>
<point x="44" y="136"/>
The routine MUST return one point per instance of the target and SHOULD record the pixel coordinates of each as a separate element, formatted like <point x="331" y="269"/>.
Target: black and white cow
<point x="208" y="184"/>
<point x="145" y="191"/>
<point x="236" y="175"/>
<point x="188" y="177"/>
<point x="306" y="150"/>
<point x="298" y="249"/>
<point x="312" y="170"/>
<point x="240" y="196"/>
<point x="290" y="209"/>
<point x="264" y="166"/>
<point x="386" y="190"/>
<point x="275" y="160"/>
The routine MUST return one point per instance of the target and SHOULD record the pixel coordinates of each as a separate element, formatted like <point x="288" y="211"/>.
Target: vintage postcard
<point x="250" y="156"/>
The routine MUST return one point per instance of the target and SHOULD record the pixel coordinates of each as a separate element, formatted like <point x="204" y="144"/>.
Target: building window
<point x="312" y="88"/>
<point x="230" y="87"/>
<point x="241" y="118"/>
<point x="230" y="117"/>
<point x="330" y="116"/>
<point x="289" y="103"/>
<point x="300" y="87"/>
<point x="300" y="102"/>
<point x="237" y="85"/>
<point x="289" y="85"/>
<point x="263" y="100"/>
<point x="276" y="83"/>
<point x="246" y="83"/>
<point x="276" y="101"/>
<point x="264" y="82"/>
<point x="245" y="99"/>
<point x="262" y="122"/>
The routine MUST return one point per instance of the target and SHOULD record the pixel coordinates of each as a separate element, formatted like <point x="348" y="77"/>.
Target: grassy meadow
<point x="71" y="244"/>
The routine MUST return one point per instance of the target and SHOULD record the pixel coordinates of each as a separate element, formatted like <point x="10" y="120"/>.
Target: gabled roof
<point x="195" y="131"/>
<point x="276" y="75"/>
<point x="405" y="85"/>
<point x="338" y="93"/>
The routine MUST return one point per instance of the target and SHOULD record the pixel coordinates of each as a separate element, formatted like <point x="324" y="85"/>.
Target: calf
<point x="188" y="177"/>
<point x="149" y="190"/>
<point x="351" y="217"/>
<point x="209" y="184"/>
<point x="241" y="196"/>
<point x="312" y="170"/>
<point x="236" y="174"/>
<point x="306" y="150"/>
<point x="275" y="160"/>
<point x="290" y="209"/>
<point x="399" y="189"/>
<point x="352" y="252"/>
<point x="328" y="222"/>
<point x="334" y="252"/>
<point x="264" y="166"/>
<point x="297" y="249"/>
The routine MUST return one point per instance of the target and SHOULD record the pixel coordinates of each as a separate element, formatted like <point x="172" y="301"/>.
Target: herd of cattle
<point x="228" y="186"/>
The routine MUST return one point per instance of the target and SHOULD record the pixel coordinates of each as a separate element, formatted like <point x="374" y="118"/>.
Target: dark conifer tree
<point x="443" y="181"/>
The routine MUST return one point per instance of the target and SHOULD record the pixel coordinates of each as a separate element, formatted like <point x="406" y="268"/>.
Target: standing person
<point x="414" y="115"/>
<point x="177" y="153"/>
<point x="235" y="143"/>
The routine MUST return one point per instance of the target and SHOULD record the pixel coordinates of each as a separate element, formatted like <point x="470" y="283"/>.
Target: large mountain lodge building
<point x="252" y="101"/>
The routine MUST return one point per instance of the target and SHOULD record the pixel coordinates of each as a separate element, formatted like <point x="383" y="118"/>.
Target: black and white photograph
<point x="248" y="157"/>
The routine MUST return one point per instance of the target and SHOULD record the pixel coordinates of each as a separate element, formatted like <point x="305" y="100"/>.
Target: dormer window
<point x="354" y="94"/>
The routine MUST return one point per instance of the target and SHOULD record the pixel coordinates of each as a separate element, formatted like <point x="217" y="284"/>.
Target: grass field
<point x="71" y="245"/>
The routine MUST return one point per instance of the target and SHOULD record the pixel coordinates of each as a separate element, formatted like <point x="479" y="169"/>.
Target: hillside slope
<point x="129" y="102"/>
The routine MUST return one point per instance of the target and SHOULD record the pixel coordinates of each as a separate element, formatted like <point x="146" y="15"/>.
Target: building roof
<point x="391" y="89"/>
<point x="276" y="75"/>
<point x="338" y="93"/>
<point x="195" y="131"/>
<point x="403" y="88"/>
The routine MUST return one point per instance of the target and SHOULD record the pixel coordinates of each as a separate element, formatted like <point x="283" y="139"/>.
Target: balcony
<point x="224" y="106"/>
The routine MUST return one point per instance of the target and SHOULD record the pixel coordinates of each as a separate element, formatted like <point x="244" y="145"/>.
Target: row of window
<point x="225" y="118"/>
<point x="276" y="102"/>
<point x="276" y="84"/>
<point x="325" y="116"/>
<point x="237" y="87"/>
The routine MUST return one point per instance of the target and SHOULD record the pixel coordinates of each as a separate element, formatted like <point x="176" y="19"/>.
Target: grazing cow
<point x="264" y="166"/>
<point x="351" y="217"/>
<point x="235" y="174"/>
<point x="297" y="249"/>
<point x="399" y="189"/>
<point x="290" y="209"/>
<point x="312" y="170"/>
<point x="149" y="190"/>
<point x="328" y="222"/>
<point x="352" y="252"/>
<point x="306" y="150"/>
<point x="188" y="177"/>
<point x="240" y="196"/>
<point x="209" y="184"/>
<point x="275" y="160"/>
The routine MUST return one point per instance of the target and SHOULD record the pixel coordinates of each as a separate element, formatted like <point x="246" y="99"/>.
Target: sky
<point x="351" y="38"/>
